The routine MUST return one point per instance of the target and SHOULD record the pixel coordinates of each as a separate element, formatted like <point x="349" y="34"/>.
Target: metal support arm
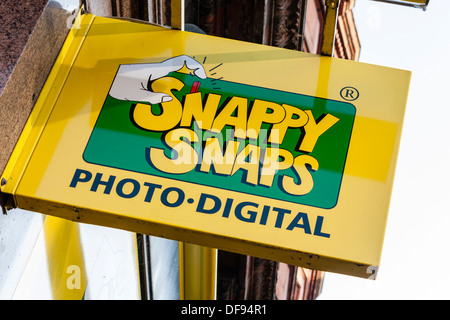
<point x="329" y="28"/>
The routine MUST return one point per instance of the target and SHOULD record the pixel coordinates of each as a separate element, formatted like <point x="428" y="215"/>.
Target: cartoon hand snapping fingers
<point x="132" y="80"/>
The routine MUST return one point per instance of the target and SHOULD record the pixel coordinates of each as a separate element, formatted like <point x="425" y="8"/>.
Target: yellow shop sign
<point x="413" y="3"/>
<point x="247" y="148"/>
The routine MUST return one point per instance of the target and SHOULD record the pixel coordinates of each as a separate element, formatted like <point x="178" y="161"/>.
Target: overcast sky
<point x="415" y="257"/>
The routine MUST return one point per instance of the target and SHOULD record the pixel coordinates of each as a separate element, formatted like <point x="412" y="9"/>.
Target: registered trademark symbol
<point x="349" y="93"/>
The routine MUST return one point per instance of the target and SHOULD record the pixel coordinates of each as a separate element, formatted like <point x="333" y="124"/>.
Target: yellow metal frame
<point x="39" y="173"/>
<point x="329" y="28"/>
<point x="198" y="270"/>
<point x="61" y="258"/>
<point x="331" y="14"/>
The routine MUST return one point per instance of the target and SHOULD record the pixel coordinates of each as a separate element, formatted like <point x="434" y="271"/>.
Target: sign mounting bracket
<point x="177" y="14"/>
<point x="329" y="28"/>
